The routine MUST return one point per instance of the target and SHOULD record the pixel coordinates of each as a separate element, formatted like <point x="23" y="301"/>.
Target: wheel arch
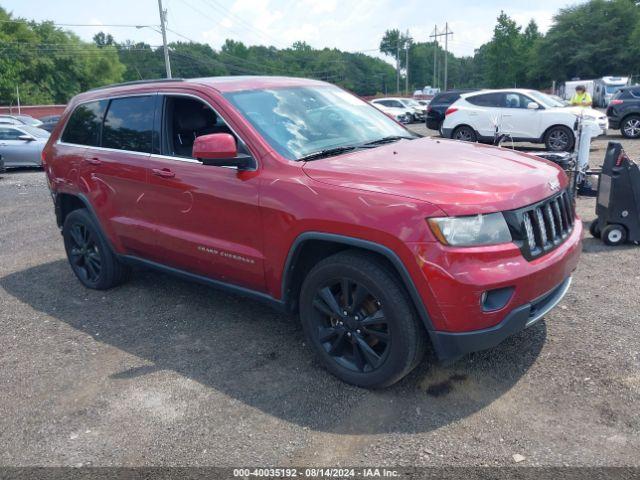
<point x="311" y="247"/>
<point x="65" y="203"/>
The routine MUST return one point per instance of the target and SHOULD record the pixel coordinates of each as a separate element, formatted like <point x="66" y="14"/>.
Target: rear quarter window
<point x="83" y="127"/>
<point x="128" y="124"/>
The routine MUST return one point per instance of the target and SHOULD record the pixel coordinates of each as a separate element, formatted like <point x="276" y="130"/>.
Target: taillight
<point x="450" y="111"/>
<point x="616" y="102"/>
<point x="428" y="108"/>
<point x="621" y="158"/>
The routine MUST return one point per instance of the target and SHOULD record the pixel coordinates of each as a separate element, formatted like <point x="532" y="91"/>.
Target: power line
<point x="79" y="24"/>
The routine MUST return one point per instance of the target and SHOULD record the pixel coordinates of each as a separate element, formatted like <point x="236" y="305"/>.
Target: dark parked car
<point x="624" y="111"/>
<point x="49" y="122"/>
<point x="439" y="105"/>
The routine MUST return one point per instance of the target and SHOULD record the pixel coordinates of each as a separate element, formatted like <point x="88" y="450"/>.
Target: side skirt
<point x="217" y="284"/>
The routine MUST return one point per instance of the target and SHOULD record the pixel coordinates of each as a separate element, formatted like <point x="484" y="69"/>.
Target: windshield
<point x="29" y="120"/>
<point x="35" y="131"/>
<point x="613" y="88"/>
<point x="298" y="121"/>
<point x="544" y="99"/>
<point x="410" y="102"/>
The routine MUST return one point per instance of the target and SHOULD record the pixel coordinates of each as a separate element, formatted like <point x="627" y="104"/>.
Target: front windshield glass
<point x="35" y="131"/>
<point x="298" y="121"/>
<point x="544" y="99"/>
<point x="613" y="88"/>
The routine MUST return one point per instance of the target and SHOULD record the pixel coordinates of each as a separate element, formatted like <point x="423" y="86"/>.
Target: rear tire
<point x="614" y="235"/>
<point x="464" y="133"/>
<point x="594" y="229"/>
<point x="630" y="127"/>
<point x="360" y="321"/>
<point x="89" y="253"/>
<point x="559" y="139"/>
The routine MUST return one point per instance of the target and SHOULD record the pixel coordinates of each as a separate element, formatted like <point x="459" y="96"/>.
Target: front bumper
<point x="450" y="346"/>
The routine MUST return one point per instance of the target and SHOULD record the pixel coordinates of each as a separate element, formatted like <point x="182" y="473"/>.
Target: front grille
<point x="541" y="227"/>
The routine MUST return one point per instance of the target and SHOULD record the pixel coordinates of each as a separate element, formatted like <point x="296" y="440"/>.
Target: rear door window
<point x="85" y="123"/>
<point x="488" y="100"/>
<point x="128" y="124"/>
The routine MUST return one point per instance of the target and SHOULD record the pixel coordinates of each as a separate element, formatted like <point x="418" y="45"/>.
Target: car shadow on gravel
<point x="258" y="356"/>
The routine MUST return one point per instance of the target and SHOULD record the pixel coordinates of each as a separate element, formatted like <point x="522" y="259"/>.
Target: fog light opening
<point x="492" y="300"/>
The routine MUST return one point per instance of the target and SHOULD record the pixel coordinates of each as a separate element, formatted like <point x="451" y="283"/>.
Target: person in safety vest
<point x="581" y="98"/>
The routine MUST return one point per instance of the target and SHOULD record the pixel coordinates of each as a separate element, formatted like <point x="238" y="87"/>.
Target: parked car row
<point x="405" y="110"/>
<point x="22" y="139"/>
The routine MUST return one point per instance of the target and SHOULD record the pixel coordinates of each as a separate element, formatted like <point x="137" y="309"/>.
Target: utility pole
<point x="435" y="36"/>
<point x="435" y="56"/>
<point x="446" y="53"/>
<point x="18" y="97"/>
<point x="398" y="64"/>
<point x="406" y="64"/>
<point x="163" y="18"/>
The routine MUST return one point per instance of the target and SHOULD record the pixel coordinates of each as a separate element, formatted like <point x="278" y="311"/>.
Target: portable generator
<point x="618" y="201"/>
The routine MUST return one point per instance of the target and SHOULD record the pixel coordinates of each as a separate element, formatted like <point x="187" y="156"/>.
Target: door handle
<point x="164" y="172"/>
<point x="93" y="160"/>
<point x="3" y="144"/>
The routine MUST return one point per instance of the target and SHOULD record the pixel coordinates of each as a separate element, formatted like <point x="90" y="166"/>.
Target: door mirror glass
<point x="219" y="149"/>
<point x="533" y="106"/>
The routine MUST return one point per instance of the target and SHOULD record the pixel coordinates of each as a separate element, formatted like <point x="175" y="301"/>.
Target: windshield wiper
<point x="390" y="139"/>
<point x="327" y="152"/>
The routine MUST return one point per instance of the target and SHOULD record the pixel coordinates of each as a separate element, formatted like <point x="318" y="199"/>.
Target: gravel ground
<point x="164" y="372"/>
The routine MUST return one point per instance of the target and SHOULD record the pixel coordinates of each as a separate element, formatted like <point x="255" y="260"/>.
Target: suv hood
<point x="589" y="113"/>
<point x="460" y="178"/>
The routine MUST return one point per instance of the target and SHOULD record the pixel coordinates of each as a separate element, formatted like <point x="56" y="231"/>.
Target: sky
<point x="345" y="24"/>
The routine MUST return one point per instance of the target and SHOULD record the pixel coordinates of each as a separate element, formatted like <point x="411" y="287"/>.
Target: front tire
<point x="614" y="235"/>
<point x="89" y="254"/>
<point x="559" y="139"/>
<point x="630" y="127"/>
<point x="360" y="321"/>
<point x="465" y="133"/>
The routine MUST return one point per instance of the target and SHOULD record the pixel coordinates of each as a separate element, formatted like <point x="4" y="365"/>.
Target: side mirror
<point x="533" y="106"/>
<point x="220" y="150"/>
<point x="26" y="138"/>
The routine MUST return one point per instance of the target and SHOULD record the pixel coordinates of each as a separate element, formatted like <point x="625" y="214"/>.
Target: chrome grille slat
<point x="546" y="224"/>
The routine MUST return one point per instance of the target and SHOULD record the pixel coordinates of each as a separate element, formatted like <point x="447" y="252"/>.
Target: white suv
<point x="524" y="115"/>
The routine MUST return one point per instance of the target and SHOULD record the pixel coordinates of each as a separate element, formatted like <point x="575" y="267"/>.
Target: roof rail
<point x="139" y="82"/>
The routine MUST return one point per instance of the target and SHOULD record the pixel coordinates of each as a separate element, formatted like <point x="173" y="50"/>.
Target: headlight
<point x="488" y="229"/>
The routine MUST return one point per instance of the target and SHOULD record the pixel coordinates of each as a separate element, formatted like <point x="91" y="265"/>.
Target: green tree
<point x="48" y="64"/>
<point x="504" y="64"/>
<point x="590" y="40"/>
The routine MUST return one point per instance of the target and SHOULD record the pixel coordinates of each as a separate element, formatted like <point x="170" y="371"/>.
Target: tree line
<point x="596" y="38"/>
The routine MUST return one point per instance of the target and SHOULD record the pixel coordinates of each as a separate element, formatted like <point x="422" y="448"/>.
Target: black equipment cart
<point x="618" y="204"/>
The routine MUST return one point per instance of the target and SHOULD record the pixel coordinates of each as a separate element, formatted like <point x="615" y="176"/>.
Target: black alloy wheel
<point x="360" y="321"/>
<point x="351" y="325"/>
<point x="84" y="254"/>
<point x="90" y="255"/>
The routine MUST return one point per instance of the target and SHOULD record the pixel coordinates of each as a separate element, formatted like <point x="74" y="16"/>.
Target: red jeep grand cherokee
<point x="295" y="192"/>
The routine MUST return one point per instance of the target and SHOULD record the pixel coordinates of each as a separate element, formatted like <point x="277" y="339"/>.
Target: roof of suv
<point x="222" y="84"/>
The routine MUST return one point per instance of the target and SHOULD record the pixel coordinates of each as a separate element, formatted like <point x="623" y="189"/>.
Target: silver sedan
<point x="21" y="145"/>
